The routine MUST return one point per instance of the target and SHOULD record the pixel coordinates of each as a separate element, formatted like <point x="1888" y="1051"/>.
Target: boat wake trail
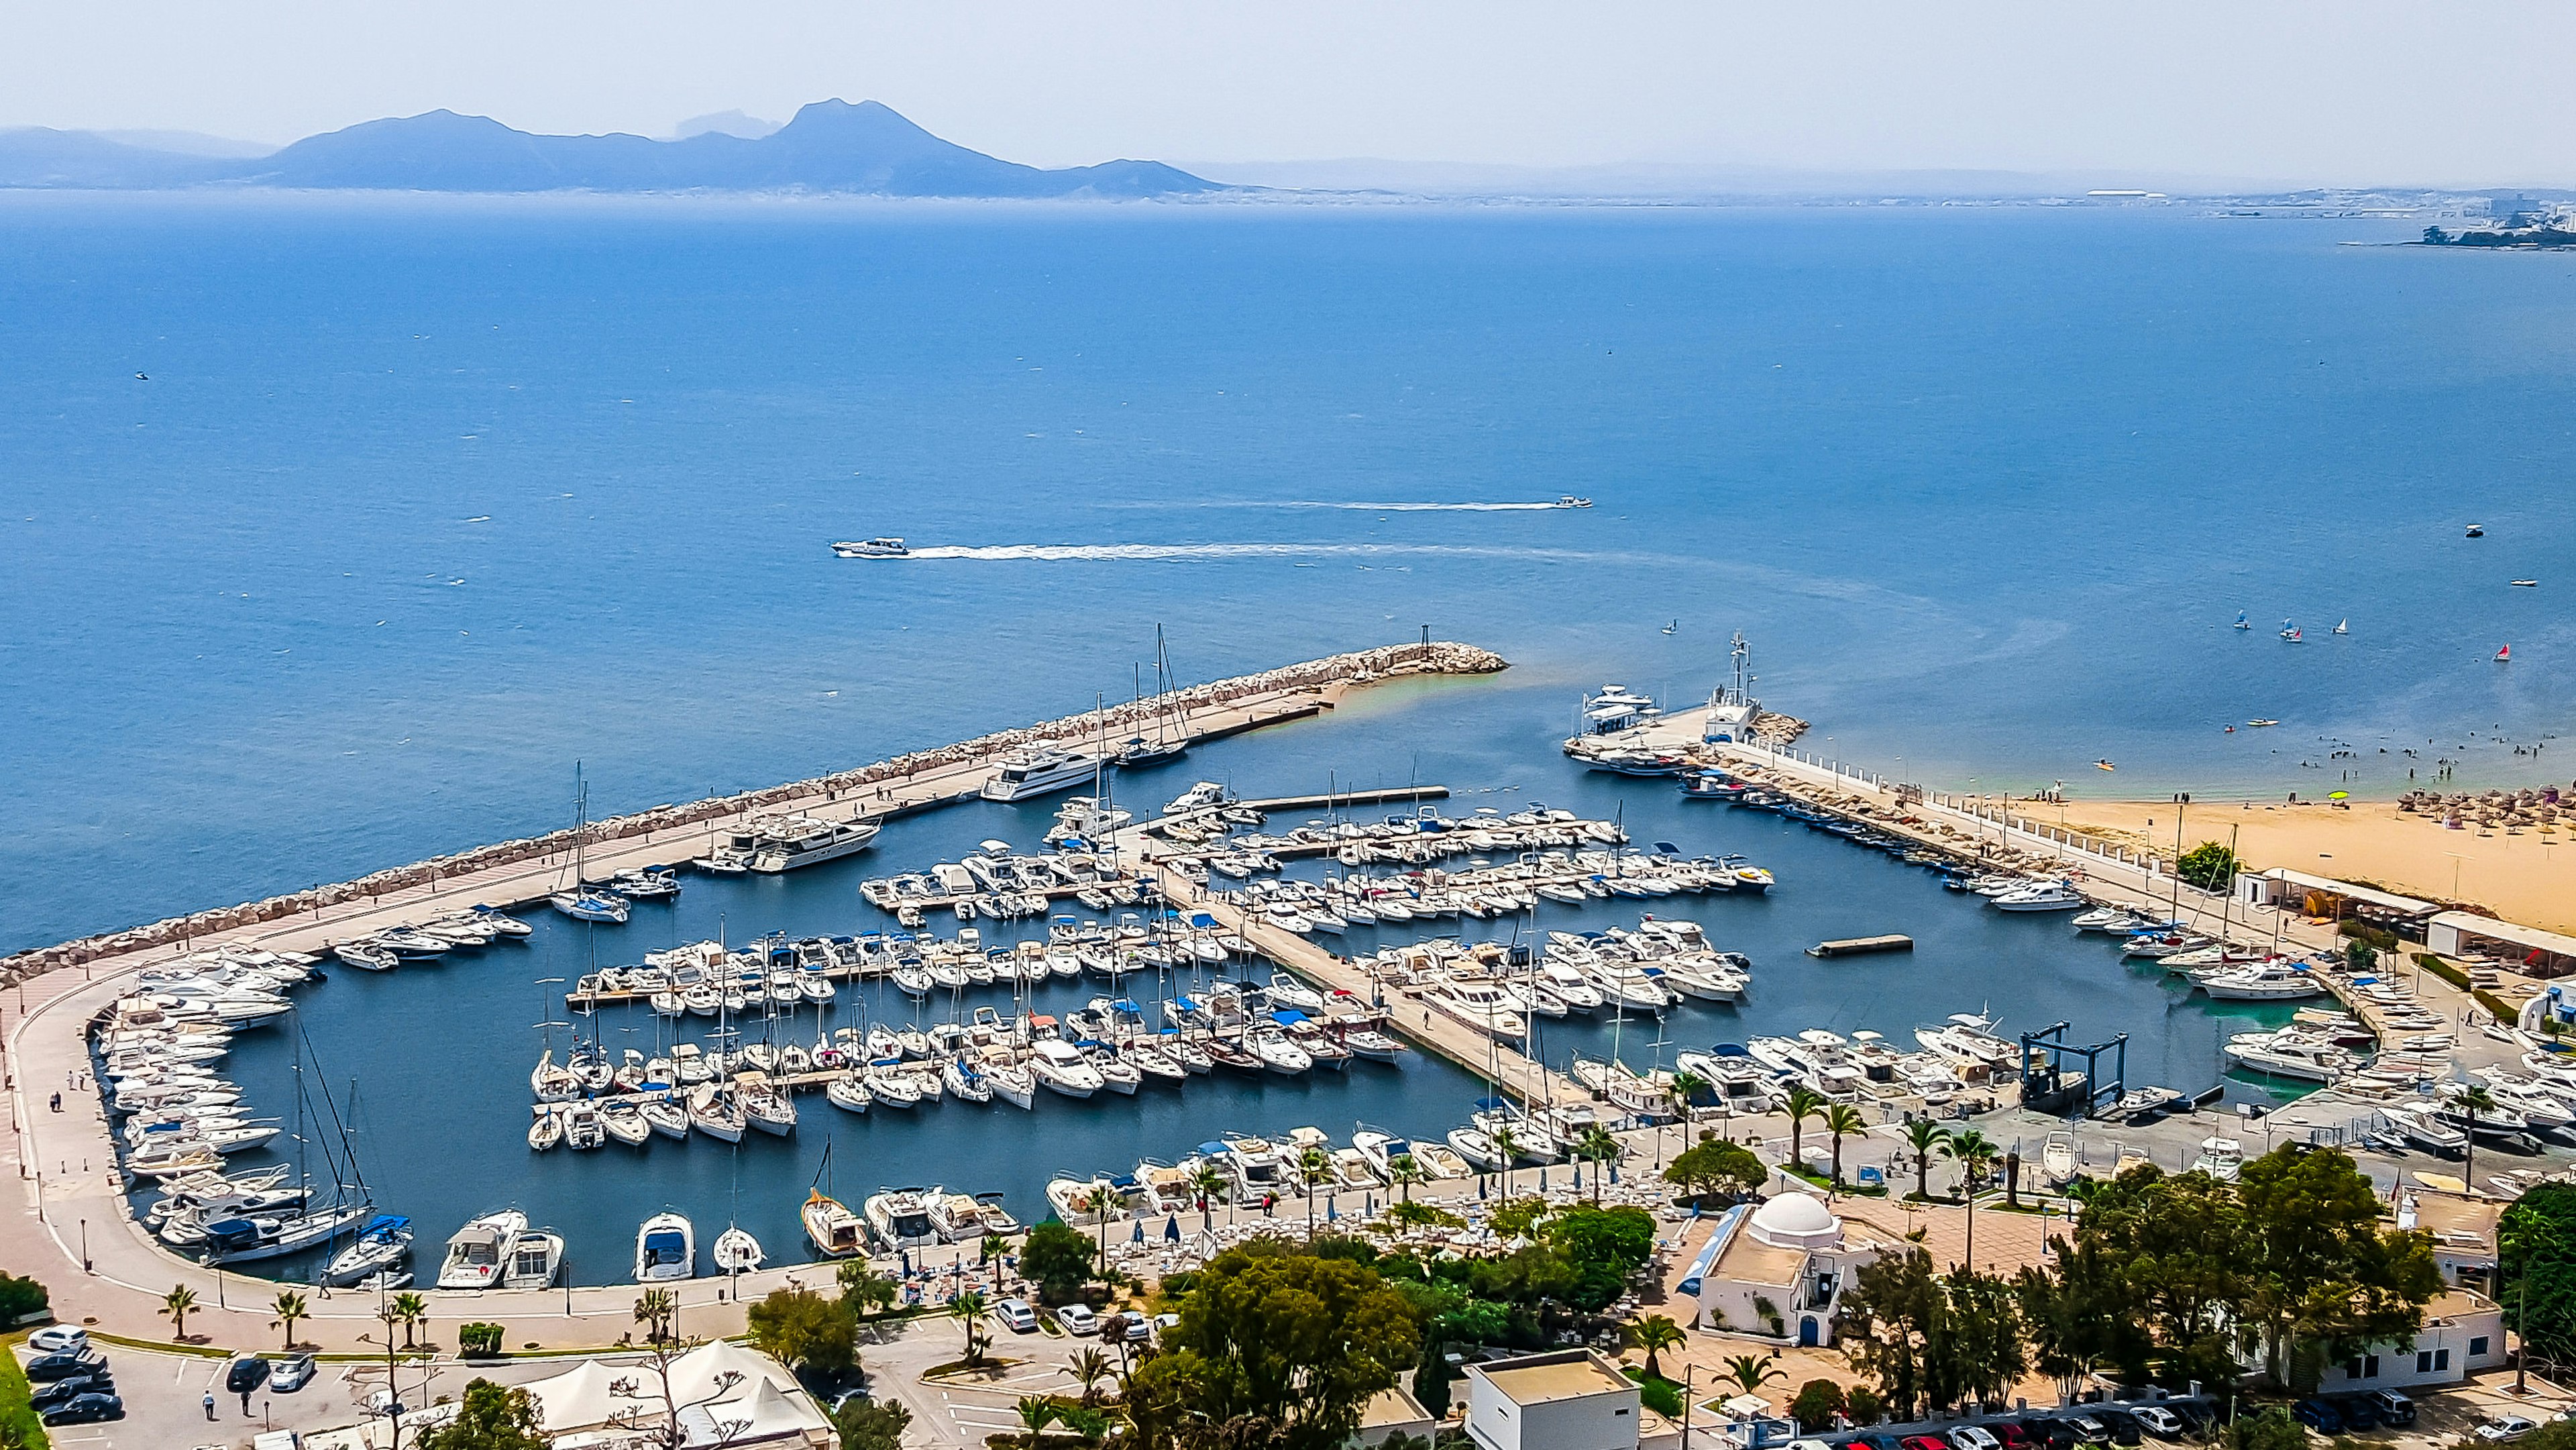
<point x="1424" y="508"/>
<point x="1064" y="553"/>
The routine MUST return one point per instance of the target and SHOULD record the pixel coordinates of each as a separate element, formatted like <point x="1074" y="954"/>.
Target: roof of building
<point x="2531" y="937"/>
<point x="2455" y="1302"/>
<point x="2456" y="1221"/>
<point x="1748" y="1260"/>
<point x="1541" y="1378"/>
<point x="1392" y="1406"/>
<point x="2386" y="900"/>
<point x="1796" y="1220"/>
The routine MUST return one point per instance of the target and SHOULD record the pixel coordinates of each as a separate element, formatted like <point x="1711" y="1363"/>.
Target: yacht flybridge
<point x="1028" y="774"/>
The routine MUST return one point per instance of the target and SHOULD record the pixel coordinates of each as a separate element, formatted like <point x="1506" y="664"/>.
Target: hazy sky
<point x="2348" y="91"/>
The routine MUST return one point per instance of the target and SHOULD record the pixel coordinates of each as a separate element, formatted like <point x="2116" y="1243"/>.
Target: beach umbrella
<point x="1172" y="1229"/>
<point x="2338" y="795"/>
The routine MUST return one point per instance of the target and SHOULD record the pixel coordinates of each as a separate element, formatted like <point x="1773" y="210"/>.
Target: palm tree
<point x="1751" y="1372"/>
<point x="1925" y="1137"/>
<point x="1974" y="1152"/>
<point x="179" y="1303"/>
<point x="1684" y="1089"/>
<point x="1210" y="1185"/>
<point x="412" y="1310"/>
<point x="1654" y="1334"/>
<point x="1036" y="1412"/>
<point x="993" y="1250"/>
<point x="290" y="1307"/>
<point x="2472" y="1100"/>
<point x="1842" y="1120"/>
<point x="1313" y="1169"/>
<point x="1597" y="1146"/>
<point x="1095" y="1201"/>
<point x="653" y="1310"/>
<point x="1090" y="1367"/>
<point x="1507" y="1148"/>
<point x="970" y="1310"/>
<point x="1804" y="1103"/>
<point x="1406" y="1173"/>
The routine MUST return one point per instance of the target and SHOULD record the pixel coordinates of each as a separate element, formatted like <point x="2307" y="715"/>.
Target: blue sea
<point x="339" y="530"/>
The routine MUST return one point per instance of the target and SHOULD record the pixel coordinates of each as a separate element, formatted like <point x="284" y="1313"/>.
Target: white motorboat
<point x="2049" y="896"/>
<point x="665" y="1249"/>
<point x="900" y="1218"/>
<point x="475" y="1255"/>
<point x="1061" y="1068"/>
<point x="1479" y="1150"/>
<point x="582" y="1127"/>
<point x="1205" y="795"/>
<point x="536" y="1256"/>
<point x="2262" y="982"/>
<point x="1278" y="1054"/>
<point x="2057" y="1158"/>
<point x="835" y="1232"/>
<point x="1012" y="1083"/>
<point x="1027" y="774"/>
<point x="666" y="1117"/>
<point x="784" y="843"/>
<point x="2220" y="1158"/>
<point x="736" y="1251"/>
<point x="884" y="547"/>
<point x="2288" y="1053"/>
<point x="1478" y="1005"/>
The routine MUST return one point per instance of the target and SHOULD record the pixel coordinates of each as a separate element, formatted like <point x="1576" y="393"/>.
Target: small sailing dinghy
<point x="2504" y="654"/>
<point x="736" y="1251"/>
<point x="2242" y="622"/>
<point x="2343" y="626"/>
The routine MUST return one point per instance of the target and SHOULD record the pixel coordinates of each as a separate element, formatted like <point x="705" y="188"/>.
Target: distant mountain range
<point x="831" y="146"/>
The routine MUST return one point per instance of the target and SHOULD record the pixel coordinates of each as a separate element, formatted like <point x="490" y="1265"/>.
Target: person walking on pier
<point x="210" y="1404"/>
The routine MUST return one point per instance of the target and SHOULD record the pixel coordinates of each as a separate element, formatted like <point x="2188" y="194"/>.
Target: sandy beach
<point x="2519" y="875"/>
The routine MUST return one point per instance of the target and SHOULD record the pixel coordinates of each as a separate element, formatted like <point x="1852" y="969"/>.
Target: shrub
<point x="1817" y="1403"/>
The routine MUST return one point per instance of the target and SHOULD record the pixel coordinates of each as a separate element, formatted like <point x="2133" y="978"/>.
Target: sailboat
<point x="584" y="902"/>
<point x="2343" y="626"/>
<point x="736" y="1251"/>
<point x="2241" y="621"/>
<point x="1138" y="750"/>
<point x="2504" y="654"/>
<point x="2290" y="632"/>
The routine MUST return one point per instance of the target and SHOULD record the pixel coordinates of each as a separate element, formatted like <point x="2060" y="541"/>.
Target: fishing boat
<point x="835" y="1232"/>
<point x="546" y="1130"/>
<point x="474" y="1255"/>
<point x="384" y="1242"/>
<point x="736" y="1251"/>
<point x="665" y="1249"/>
<point x="536" y="1256"/>
<point x="885" y="547"/>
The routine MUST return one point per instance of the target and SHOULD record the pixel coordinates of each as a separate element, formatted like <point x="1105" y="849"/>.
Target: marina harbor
<point x="1493" y="990"/>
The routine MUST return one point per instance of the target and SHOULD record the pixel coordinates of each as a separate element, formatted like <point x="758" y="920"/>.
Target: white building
<point x="1777" y="1271"/>
<point x="2463" y="1332"/>
<point x="1575" y="1399"/>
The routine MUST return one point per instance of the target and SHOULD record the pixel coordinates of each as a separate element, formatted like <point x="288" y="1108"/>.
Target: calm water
<point x="419" y="503"/>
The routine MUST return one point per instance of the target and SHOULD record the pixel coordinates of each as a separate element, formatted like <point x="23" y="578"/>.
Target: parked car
<point x="2090" y="1427"/>
<point x="2195" y="1415"/>
<point x="2318" y="1415"/>
<point x="2054" y="1434"/>
<point x="63" y="1392"/>
<point x="2503" y="1428"/>
<point x="1974" y="1437"/>
<point x="292" y="1375"/>
<point x="46" y="1368"/>
<point x="245" y="1374"/>
<point x="2158" y="1421"/>
<point x="1078" y="1319"/>
<point x="87" y="1410"/>
<point x="2013" y="1436"/>
<point x="2122" y="1424"/>
<point x="2392" y="1407"/>
<point x="1923" y="1442"/>
<point x="1017" y="1314"/>
<point x="57" y="1338"/>
<point x="2357" y="1411"/>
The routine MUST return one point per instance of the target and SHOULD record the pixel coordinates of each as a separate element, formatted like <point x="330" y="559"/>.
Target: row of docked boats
<point x="469" y="930"/>
<point x="1358" y="898"/>
<point x="1001" y="885"/>
<point x="1247" y="1170"/>
<point x="1499" y="990"/>
<point x="1424" y="838"/>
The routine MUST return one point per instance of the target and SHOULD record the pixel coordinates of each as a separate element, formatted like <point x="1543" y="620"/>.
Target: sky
<point x="2353" y="92"/>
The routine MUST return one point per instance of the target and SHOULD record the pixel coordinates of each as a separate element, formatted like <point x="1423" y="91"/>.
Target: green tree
<point x="863" y="1288"/>
<point x="2474" y="1102"/>
<point x="491" y="1417"/>
<point x="1750" y="1372"/>
<point x="1817" y="1402"/>
<point x="2209" y="866"/>
<point x="654" y="1309"/>
<point x="1057" y="1259"/>
<point x="2323" y="1269"/>
<point x="1291" y="1338"/>
<point x="992" y="1249"/>
<point x="1405" y="1172"/>
<point x="1507" y="1147"/>
<point x="1926" y="1138"/>
<point x="970" y="1311"/>
<point x="2270" y="1429"/>
<point x="20" y="1297"/>
<point x="803" y="1330"/>
<point x="1974" y="1153"/>
<point x="1983" y="1343"/>
<point x="1036" y="1413"/>
<point x="290" y="1306"/>
<point x="1654" y="1334"/>
<point x="2360" y="956"/>
<point x="2537" y="1280"/>
<point x="1717" y="1165"/>
<point x="1597" y="1147"/>
<point x="1088" y="1368"/>
<point x="871" y="1424"/>
<point x="1862" y="1406"/>
<point x="1314" y="1170"/>
<point x="177" y="1305"/>
<point x="1804" y="1103"/>
<point x="1210" y="1184"/>
<point x="411" y="1311"/>
<point x="1886" y="1326"/>
<point x="1842" y="1120"/>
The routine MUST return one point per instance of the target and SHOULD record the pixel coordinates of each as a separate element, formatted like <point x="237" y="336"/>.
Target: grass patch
<point x="1819" y="1180"/>
<point x="16" y="1414"/>
<point x="1659" y="1394"/>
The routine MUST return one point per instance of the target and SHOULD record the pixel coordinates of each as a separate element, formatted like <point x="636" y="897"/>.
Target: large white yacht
<point x="1028" y="774"/>
<point x="783" y="843"/>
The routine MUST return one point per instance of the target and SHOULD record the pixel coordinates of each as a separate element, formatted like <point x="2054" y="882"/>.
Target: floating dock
<point x="1853" y="946"/>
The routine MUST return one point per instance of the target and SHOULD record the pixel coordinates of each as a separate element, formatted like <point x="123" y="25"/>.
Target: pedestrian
<point x="58" y="1102"/>
<point x="245" y="1404"/>
<point x="210" y="1404"/>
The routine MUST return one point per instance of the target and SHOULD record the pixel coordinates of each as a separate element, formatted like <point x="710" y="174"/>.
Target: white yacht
<point x="2051" y="896"/>
<point x="536" y="1256"/>
<point x="2220" y="1158"/>
<point x="900" y="1218"/>
<point x="1028" y="774"/>
<point x="1060" y="1067"/>
<point x="1479" y="1005"/>
<point x="2288" y="1053"/>
<point x="384" y="1243"/>
<point x="883" y="547"/>
<point x="787" y="842"/>
<point x="665" y="1248"/>
<point x="836" y="1232"/>
<point x="475" y="1257"/>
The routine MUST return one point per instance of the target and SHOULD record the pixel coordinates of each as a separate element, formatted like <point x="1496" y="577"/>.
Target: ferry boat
<point x="665" y="1248"/>
<point x="886" y="547"/>
<point x="787" y="842"/>
<point x="1028" y="774"/>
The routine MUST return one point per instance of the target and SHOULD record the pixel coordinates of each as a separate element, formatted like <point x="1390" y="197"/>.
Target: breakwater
<point x="1324" y="678"/>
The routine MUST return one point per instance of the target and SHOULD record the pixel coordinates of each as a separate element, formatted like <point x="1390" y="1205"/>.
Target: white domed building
<point x="1777" y="1270"/>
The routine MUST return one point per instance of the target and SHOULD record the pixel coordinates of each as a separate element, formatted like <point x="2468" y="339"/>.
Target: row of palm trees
<point x="406" y="1311"/>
